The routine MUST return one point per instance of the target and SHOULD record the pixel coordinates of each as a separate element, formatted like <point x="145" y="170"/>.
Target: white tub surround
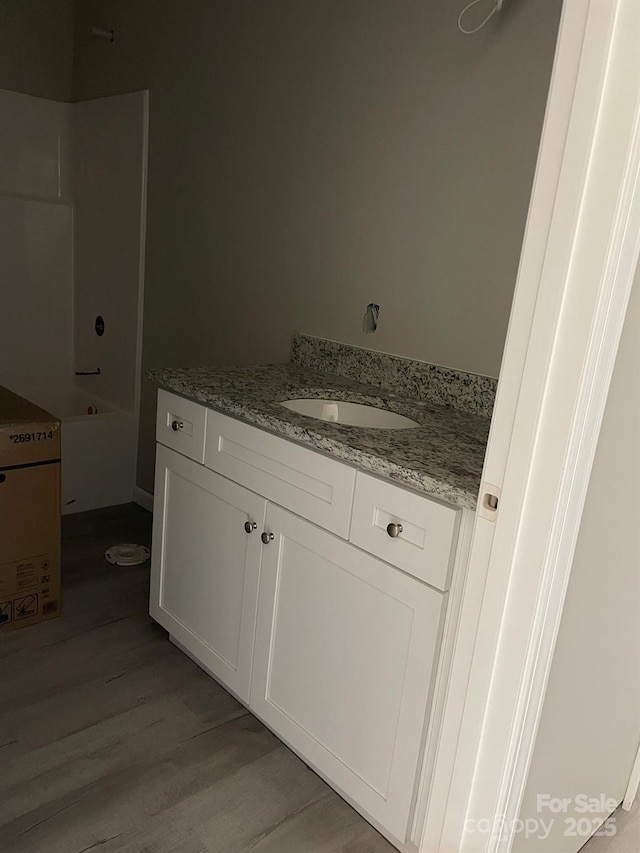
<point x="72" y="215"/>
<point x="36" y="242"/>
<point x="98" y="448"/>
<point x="109" y="196"/>
<point x="98" y="460"/>
<point x="36" y="147"/>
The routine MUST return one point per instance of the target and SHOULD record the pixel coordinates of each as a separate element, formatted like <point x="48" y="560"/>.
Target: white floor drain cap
<point x="127" y="555"/>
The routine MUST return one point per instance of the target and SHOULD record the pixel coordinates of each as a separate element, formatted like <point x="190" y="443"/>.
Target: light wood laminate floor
<point x="112" y="740"/>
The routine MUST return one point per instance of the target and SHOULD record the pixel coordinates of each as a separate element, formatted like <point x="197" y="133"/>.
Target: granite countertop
<point x="442" y="458"/>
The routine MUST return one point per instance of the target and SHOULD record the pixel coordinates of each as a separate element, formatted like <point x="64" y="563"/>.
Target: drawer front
<point x="426" y="530"/>
<point x="180" y="425"/>
<point x="309" y="484"/>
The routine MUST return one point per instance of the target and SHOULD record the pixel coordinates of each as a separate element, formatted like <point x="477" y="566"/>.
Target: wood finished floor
<point x="111" y="740"/>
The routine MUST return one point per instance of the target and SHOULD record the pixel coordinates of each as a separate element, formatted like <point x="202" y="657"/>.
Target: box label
<point x="22" y="575"/>
<point x="29" y="591"/>
<point x="26" y="576"/>
<point x="26" y="437"/>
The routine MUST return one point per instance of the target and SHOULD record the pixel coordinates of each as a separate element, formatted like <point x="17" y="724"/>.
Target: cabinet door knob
<point x="250" y="526"/>
<point x="267" y="537"/>
<point x="394" y="530"/>
<point x="176" y="425"/>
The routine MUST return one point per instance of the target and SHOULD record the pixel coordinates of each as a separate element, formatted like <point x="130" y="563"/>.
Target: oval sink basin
<point x="350" y="414"/>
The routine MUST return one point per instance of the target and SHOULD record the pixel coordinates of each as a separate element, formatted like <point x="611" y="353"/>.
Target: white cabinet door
<point x="343" y="661"/>
<point x="205" y="566"/>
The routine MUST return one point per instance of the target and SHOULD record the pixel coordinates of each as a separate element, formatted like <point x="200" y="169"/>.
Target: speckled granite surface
<point x="442" y="458"/>
<point x="414" y="380"/>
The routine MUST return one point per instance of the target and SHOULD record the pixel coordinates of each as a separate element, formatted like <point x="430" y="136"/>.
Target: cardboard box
<point x="29" y="513"/>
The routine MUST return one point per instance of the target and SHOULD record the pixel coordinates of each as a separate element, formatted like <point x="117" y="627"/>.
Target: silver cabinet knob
<point x="267" y="537"/>
<point x="250" y="526"/>
<point x="176" y="425"/>
<point x="394" y="530"/>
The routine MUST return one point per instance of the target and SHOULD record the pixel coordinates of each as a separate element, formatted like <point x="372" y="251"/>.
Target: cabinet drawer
<point x="298" y="479"/>
<point x="180" y="425"/>
<point x="426" y="532"/>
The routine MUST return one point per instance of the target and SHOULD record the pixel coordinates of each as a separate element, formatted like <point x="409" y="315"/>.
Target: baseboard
<point x="143" y="498"/>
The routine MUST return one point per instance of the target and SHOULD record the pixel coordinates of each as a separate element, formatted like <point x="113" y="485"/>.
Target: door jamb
<point x="577" y="266"/>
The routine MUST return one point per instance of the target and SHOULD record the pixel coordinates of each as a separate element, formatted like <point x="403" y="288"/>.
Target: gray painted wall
<point x="309" y="157"/>
<point x="36" y="47"/>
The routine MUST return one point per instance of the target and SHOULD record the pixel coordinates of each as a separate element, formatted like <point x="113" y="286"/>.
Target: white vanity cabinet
<point x="334" y="645"/>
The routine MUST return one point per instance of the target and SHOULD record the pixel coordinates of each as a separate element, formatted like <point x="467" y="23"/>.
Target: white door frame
<point x="578" y="261"/>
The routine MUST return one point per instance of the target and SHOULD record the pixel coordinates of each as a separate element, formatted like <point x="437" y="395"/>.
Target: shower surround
<point x="72" y="223"/>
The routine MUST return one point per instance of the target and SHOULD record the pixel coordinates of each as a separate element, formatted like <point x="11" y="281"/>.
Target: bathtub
<point x="99" y="444"/>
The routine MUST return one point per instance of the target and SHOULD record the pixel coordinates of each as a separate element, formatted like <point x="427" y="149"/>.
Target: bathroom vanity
<point x="316" y="569"/>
